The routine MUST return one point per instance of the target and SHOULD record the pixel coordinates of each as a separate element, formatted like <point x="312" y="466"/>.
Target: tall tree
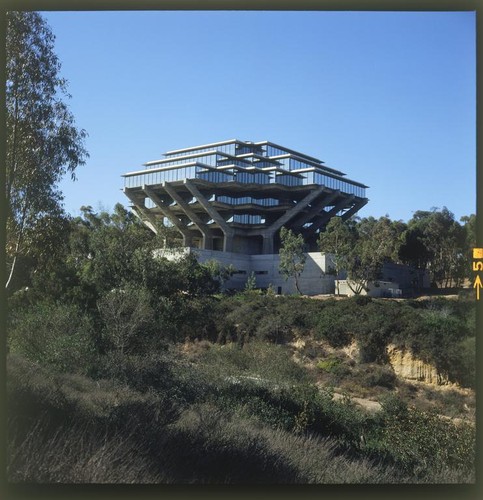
<point x="43" y="143"/>
<point x="469" y="228"/>
<point x="292" y="256"/>
<point x="361" y="248"/>
<point x="435" y="241"/>
<point x="337" y="240"/>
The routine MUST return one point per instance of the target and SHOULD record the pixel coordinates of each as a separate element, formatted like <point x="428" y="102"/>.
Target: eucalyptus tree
<point x="361" y="247"/>
<point x="292" y="256"/>
<point x="42" y="141"/>
<point x="469" y="228"/>
<point x="337" y="240"/>
<point x="434" y="240"/>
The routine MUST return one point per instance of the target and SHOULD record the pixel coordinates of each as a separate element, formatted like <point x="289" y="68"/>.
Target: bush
<point x="463" y="370"/>
<point x="333" y="326"/>
<point x="256" y="359"/>
<point x="57" y="335"/>
<point x="329" y="365"/>
<point x="33" y="390"/>
<point x="126" y="314"/>
<point x="423" y="443"/>
<point x="439" y="342"/>
<point x="373" y="375"/>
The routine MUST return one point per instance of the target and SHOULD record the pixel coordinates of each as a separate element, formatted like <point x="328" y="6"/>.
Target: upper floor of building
<point x="236" y="161"/>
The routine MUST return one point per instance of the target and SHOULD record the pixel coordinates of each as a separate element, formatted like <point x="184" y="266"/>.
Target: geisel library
<point x="229" y="199"/>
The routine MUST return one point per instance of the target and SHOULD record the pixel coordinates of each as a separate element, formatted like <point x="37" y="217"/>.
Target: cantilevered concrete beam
<point x="331" y="213"/>
<point x="204" y="229"/>
<point x="143" y="217"/>
<point x="142" y="213"/>
<point x="315" y="210"/>
<point x="357" y="206"/>
<point x="165" y="210"/>
<point x="228" y="232"/>
<point x="269" y="233"/>
<point x="301" y="205"/>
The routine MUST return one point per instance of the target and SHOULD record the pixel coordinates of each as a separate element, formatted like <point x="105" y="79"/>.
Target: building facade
<point x="234" y="196"/>
<point x="317" y="277"/>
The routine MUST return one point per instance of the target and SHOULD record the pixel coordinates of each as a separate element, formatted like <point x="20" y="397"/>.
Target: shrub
<point x="439" y="342"/>
<point x="334" y="326"/>
<point x="329" y="365"/>
<point x="58" y="335"/>
<point x="196" y="318"/>
<point x="423" y="443"/>
<point x="77" y="453"/>
<point x="256" y="359"/>
<point x="126" y="313"/>
<point x="361" y="300"/>
<point x="463" y="370"/>
<point x="373" y="375"/>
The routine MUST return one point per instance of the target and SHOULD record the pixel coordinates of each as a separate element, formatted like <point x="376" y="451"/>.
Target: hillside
<point x="254" y="389"/>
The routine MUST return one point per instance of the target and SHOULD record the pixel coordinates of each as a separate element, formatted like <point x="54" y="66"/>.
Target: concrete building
<point x="229" y="199"/>
<point x="397" y="280"/>
<point x="315" y="279"/>
<point x="234" y="196"/>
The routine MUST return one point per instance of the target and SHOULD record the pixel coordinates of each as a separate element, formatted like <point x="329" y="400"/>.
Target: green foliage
<point x="435" y="241"/>
<point x="43" y="143"/>
<point x="330" y="365"/>
<point x="438" y="332"/>
<point x="57" y="335"/>
<point x="372" y="375"/>
<point x="422" y="441"/>
<point x="335" y="327"/>
<point x="251" y="284"/>
<point x="337" y="240"/>
<point x="464" y="369"/>
<point x="264" y="316"/>
<point x="292" y="256"/>
<point x="126" y="314"/>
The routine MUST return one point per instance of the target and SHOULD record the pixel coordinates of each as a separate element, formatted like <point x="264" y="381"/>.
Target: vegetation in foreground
<point x="148" y="384"/>
<point x="124" y="368"/>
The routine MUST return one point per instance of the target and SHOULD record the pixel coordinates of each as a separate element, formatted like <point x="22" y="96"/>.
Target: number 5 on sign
<point x="478" y="266"/>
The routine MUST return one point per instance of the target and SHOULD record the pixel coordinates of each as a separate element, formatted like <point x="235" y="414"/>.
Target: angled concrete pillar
<point x="331" y="213"/>
<point x="316" y="209"/>
<point x="141" y="212"/>
<point x="147" y="221"/>
<point x="163" y="207"/>
<point x="203" y="228"/>
<point x="296" y="209"/>
<point x="357" y="206"/>
<point x="228" y="232"/>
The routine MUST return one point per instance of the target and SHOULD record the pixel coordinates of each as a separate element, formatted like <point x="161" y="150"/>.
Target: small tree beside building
<point x="292" y="256"/>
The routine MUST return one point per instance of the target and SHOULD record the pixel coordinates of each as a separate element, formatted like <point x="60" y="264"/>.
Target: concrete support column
<point x="354" y="209"/>
<point x="331" y="213"/>
<point x="207" y="234"/>
<point x="207" y="241"/>
<point x="268" y="246"/>
<point x="228" y="242"/>
<point x="296" y="209"/>
<point x="227" y="231"/>
<point x="187" y="239"/>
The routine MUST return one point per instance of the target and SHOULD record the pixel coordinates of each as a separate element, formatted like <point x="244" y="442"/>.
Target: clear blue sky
<point x="389" y="98"/>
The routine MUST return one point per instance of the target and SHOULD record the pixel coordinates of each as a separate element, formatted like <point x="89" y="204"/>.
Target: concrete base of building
<point x="314" y="279"/>
<point x="371" y="289"/>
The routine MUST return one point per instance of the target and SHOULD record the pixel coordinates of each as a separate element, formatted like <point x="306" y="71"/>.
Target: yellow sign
<point x="477" y="285"/>
<point x="477" y="253"/>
